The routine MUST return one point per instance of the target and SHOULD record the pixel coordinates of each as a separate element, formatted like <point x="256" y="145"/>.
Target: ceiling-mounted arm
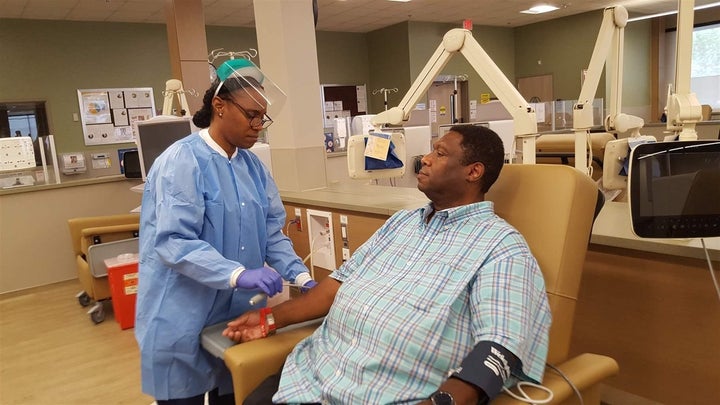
<point x="461" y="40"/>
<point x="683" y="108"/>
<point x="608" y="55"/>
<point x="523" y="114"/>
<point x="608" y="49"/>
<point x="396" y="115"/>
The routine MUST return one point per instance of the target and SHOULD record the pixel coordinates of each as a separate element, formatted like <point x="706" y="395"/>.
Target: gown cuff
<point x="234" y="276"/>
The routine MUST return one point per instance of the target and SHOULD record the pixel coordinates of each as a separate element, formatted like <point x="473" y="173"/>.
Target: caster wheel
<point x="84" y="299"/>
<point x="97" y="315"/>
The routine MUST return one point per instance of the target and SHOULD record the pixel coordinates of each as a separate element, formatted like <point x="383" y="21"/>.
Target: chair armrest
<point x="586" y="371"/>
<point x="101" y="230"/>
<point x="108" y="233"/>
<point x="76" y="225"/>
<point x="252" y="362"/>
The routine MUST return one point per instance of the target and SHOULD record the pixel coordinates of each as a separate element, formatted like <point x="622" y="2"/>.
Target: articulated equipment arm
<point x="461" y="40"/>
<point x="608" y="49"/>
<point x="683" y="108"/>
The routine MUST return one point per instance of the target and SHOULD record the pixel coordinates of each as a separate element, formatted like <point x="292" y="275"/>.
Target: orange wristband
<point x="267" y="321"/>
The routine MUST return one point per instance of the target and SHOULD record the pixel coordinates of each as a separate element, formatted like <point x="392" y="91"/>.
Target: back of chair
<point x="553" y="207"/>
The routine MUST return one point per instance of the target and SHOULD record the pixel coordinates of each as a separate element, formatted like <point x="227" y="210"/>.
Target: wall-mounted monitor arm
<point x="683" y="108"/>
<point x="461" y="40"/>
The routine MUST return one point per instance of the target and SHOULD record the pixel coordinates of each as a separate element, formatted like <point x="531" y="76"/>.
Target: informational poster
<point x="108" y="114"/>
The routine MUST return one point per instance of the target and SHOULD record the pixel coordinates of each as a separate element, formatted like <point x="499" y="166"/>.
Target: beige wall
<point x="35" y="247"/>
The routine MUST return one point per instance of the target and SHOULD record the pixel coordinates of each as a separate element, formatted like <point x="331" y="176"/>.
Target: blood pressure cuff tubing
<point x="487" y="367"/>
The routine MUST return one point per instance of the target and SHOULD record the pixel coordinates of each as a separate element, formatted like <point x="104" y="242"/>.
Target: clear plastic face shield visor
<point x="240" y="78"/>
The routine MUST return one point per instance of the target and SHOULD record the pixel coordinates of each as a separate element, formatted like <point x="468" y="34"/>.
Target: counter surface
<point x="612" y="226"/>
<point x="363" y="198"/>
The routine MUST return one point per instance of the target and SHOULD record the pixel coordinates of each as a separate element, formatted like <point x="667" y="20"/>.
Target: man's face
<point x="442" y="173"/>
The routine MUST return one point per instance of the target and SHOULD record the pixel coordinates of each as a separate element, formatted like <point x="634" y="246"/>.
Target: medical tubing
<point x="570" y="383"/>
<point x="287" y="227"/>
<point x="309" y="256"/>
<point x="524" y="397"/>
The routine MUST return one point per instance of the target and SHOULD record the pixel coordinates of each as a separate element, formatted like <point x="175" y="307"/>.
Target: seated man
<point x="443" y="304"/>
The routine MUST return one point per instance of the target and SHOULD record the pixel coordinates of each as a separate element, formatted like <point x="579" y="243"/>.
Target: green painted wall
<point x="388" y="56"/>
<point x="497" y="42"/>
<point x="50" y="60"/>
<point x="342" y="58"/>
<point x="563" y="47"/>
<point x="637" y="72"/>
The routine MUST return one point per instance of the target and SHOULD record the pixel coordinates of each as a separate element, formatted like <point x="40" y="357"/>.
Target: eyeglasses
<point x="256" y="121"/>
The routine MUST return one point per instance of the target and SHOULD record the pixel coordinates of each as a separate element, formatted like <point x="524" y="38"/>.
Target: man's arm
<point x="481" y="375"/>
<point x="311" y="305"/>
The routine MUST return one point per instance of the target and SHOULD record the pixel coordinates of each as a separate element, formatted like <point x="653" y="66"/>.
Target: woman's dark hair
<point x="203" y="116"/>
<point x="482" y="144"/>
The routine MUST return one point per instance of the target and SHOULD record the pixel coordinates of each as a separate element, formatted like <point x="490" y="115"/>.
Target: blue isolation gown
<point x="203" y="215"/>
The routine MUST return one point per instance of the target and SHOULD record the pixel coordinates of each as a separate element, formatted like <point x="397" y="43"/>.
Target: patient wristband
<point x="487" y="367"/>
<point x="267" y="322"/>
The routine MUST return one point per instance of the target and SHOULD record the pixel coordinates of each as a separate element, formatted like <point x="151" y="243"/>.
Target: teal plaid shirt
<point x="415" y="299"/>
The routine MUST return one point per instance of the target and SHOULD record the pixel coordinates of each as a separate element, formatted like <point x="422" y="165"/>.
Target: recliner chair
<point x="553" y="207"/>
<point x="89" y="231"/>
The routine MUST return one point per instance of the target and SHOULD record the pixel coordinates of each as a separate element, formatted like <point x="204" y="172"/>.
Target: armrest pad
<point x="101" y="230"/>
<point x="251" y="362"/>
<point x="585" y="371"/>
<point x="76" y="226"/>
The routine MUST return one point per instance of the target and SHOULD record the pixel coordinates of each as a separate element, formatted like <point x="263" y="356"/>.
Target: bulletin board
<point x="108" y="114"/>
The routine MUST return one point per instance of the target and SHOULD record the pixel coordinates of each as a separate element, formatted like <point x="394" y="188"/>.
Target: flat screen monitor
<point x="153" y="136"/>
<point x="674" y="189"/>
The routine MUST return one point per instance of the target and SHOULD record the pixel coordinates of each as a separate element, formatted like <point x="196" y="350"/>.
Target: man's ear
<point x="476" y="173"/>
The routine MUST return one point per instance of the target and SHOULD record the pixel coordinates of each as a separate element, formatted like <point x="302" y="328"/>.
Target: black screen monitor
<point x="153" y="136"/>
<point x="674" y="189"/>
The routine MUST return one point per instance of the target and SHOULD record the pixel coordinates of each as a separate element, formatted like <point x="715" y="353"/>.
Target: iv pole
<point x="454" y="99"/>
<point x="385" y="93"/>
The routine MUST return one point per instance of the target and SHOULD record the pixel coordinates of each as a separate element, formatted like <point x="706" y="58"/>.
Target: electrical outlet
<point x="298" y="221"/>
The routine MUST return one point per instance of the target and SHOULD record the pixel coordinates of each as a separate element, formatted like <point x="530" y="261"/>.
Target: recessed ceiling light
<point x="543" y="8"/>
<point x="401" y="1"/>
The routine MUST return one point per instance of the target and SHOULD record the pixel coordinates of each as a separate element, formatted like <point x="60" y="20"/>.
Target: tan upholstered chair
<point x="553" y="206"/>
<point x="89" y="231"/>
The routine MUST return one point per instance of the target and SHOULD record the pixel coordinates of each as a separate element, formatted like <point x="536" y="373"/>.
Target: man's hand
<point x="245" y="328"/>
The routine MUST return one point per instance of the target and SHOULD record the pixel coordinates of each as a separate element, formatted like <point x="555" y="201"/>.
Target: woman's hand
<point x="263" y="278"/>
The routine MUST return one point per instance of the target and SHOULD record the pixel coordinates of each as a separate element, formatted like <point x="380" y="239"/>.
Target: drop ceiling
<point x="334" y="15"/>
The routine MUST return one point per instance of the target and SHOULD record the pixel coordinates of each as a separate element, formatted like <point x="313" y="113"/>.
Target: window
<point x="705" y="70"/>
<point x="23" y="119"/>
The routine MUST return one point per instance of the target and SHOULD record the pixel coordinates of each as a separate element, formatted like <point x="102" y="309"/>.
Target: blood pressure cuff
<point x="391" y="162"/>
<point x="487" y="367"/>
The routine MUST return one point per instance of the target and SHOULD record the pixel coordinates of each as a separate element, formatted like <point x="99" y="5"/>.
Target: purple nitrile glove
<point x="307" y="286"/>
<point x="263" y="278"/>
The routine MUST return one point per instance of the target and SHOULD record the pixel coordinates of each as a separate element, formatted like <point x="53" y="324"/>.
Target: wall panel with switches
<point x="303" y="222"/>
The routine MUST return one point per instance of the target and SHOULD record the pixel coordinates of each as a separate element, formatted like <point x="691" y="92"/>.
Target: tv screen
<point x="674" y="189"/>
<point x="153" y="136"/>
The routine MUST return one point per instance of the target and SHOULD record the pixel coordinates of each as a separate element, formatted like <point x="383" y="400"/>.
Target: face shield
<point x="244" y="77"/>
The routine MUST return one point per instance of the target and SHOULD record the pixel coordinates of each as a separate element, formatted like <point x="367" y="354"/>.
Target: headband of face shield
<point x="241" y="75"/>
